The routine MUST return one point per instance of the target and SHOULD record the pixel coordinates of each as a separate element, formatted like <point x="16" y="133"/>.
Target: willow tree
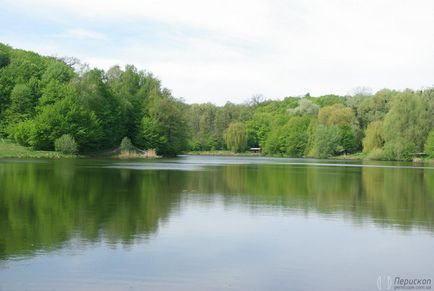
<point x="373" y="136"/>
<point x="236" y="137"/>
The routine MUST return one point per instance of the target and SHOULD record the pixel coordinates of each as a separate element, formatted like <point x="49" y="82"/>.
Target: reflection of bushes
<point x="44" y="205"/>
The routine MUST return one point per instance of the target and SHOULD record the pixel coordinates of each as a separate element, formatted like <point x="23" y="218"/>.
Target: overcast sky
<point x="229" y="50"/>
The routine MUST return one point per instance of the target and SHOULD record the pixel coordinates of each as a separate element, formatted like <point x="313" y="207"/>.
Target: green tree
<point x="21" y="100"/>
<point x="4" y="59"/>
<point x="429" y="145"/>
<point x="327" y="140"/>
<point x="66" y="144"/>
<point x="236" y="137"/>
<point x="336" y="114"/>
<point x="66" y="117"/>
<point x="305" y="107"/>
<point x="373" y="137"/>
<point x="408" y="123"/>
<point x="164" y="127"/>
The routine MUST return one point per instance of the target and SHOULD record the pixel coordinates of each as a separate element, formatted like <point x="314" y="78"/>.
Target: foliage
<point x="429" y="145"/>
<point x="236" y="137"/>
<point x="336" y="114"/>
<point x="290" y="139"/>
<point x="327" y="140"/>
<point x="66" y="144"/>
<point x="305" y="107"/>
<point x="66" y="117"/>
<point x="374" y="137"/>
<point x="4" y="59"/>
<point x="377" y="154"/>
<point x="126" y="145"/>
<point x="43" y="98"/>
<point x="408" y="123"/>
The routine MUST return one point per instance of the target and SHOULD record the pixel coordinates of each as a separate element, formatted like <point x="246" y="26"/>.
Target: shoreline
<point x="10" y="150"/>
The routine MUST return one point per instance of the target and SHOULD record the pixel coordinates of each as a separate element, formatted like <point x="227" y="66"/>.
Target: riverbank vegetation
<point x="12" y="150"/>
<point x="48" y="103"/>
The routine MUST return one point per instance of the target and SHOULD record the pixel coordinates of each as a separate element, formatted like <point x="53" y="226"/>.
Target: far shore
<point x="13" y="150"/>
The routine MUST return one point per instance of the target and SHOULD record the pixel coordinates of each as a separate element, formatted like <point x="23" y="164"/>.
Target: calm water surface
<point x="213" y="223"/>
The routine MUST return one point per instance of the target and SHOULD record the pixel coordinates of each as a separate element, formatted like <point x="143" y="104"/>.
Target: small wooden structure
<point x="255" y="150"/>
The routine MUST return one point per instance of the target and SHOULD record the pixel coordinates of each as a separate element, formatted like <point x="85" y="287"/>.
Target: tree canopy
<point x="44" y="98"/>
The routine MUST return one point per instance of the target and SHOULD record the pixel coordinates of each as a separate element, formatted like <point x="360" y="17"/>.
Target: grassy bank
<point x="12" y="150"/>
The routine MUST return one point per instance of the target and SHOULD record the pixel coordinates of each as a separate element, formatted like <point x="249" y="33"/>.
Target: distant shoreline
<point x="12" y="150"/>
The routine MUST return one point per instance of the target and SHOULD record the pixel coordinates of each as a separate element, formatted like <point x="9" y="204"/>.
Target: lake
<point x="214" y="223"/>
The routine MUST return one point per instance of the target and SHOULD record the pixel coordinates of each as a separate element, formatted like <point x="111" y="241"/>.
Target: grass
<point x="12" y="150"/>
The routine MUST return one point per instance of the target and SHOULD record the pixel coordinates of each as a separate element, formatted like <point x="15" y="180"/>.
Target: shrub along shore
<point x="60" y="104"/>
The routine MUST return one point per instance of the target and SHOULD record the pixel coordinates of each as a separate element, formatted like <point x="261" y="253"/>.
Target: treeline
<point x="44" y="98"/>
<point x="388" y="125"/>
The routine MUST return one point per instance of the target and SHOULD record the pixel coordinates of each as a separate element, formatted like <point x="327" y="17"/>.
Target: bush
<point x="66" y="144"/>
<point x="429" y="145"/>
<point x="399" y="149"/>
<point x="126" y="145"/>
<point x="327" y="140"/>
<point x="376" y="154"/>
<point x="21" y="132"/>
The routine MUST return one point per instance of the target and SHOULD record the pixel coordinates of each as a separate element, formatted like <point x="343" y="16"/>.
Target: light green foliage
<point x="149" y="134"/>
<point x="167" y="124"/>
<point x="408" y="123"/>
<point x="63" y="117"/>
<point x="21" y="100"/>
<point x="376" y="154"/>
<point x="236" y="137"/>
<point x="327" y="140"/>
<point x="126" y="144"/>
<point x="373" y="137"/>
<point x="57" y="71"/>
<point x="429" y="145"/>
<point x="43" y="98"/>
<point x="290" y="139"/>
<point x="336" y="114"/>
<point x="66" y="145"/>
<point x="21" y="132"/>
<point x="93" y="94"/>
<point x="374" y="108"/>
<point x="305" y="107"/>
<point x="399" y="149"/>
<point x="339" y="120"/>
<point x="207" y="123"/>
<point x="348" y="142"/>
<point x="328" y="100"/>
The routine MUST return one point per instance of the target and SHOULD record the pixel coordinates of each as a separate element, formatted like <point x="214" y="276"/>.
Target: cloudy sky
<point x="232" y="49"/>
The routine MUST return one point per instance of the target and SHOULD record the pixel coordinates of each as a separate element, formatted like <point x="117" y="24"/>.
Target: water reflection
<point x="46" y="204"/>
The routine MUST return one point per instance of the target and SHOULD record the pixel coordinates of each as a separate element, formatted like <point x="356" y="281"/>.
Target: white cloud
<point x="81" y="33"/>
<point x="221" y="50"/>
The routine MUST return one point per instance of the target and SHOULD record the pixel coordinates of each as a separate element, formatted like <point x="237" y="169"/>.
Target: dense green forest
<point x="42" y="99"/>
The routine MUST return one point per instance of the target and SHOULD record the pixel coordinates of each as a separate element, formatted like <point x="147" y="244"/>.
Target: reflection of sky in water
<point x="212" y="223"/>
<point x="193" y="163"/>
<point x="215" y="247"/>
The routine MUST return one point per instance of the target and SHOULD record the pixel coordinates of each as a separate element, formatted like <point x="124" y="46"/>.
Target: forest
<point x="46" y="102"/>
